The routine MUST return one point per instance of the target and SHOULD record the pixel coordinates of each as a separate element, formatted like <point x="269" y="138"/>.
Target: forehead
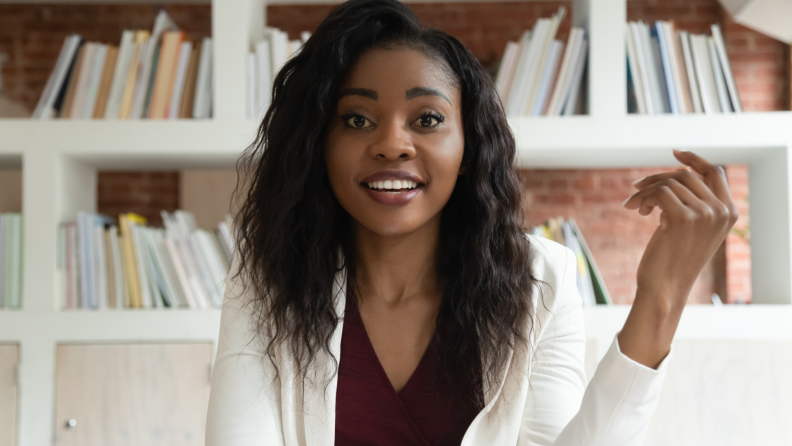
<point x="395" y="70"/>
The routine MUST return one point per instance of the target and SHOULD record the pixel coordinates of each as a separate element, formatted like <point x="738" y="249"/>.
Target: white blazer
<point x="545" y="402"/>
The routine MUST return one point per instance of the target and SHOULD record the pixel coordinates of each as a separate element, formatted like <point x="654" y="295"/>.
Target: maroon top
<point x="369" y="411"/>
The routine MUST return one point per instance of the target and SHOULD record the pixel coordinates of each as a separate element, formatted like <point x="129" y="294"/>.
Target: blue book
<point x="661" y="77"/>
<point x="665" y="54"/>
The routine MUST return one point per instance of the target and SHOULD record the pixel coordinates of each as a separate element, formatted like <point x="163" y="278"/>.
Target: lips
<point x="392" y="187"/>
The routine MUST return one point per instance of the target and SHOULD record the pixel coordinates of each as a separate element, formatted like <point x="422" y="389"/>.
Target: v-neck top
<point x="427" y="411"/>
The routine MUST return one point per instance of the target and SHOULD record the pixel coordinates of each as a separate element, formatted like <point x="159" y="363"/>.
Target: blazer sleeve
<point x="615" y="408"/>
<point x="243" y="403"/>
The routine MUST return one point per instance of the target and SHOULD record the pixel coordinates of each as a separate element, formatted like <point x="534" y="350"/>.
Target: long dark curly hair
<point x="291" y="229"/>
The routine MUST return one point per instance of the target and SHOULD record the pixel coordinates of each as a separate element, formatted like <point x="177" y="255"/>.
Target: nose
<point x="392" y="143"/>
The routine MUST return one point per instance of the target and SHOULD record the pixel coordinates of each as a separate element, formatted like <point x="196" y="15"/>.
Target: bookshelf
<point x="60" y="160"/>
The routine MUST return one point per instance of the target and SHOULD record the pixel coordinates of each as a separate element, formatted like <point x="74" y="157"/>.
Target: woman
<point x="383" y="290"/>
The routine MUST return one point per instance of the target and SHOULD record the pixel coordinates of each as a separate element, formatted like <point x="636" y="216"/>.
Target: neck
<point x="395" y="269"/>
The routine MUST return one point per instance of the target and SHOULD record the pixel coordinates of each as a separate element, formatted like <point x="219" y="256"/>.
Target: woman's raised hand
<point x="697" y="213"/>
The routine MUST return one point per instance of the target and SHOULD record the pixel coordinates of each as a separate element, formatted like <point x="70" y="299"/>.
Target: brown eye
<point x="356" y="121"/>
<point x="429" y="120"/>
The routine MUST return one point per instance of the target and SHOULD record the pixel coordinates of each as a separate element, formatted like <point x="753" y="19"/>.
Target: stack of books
<point x="10" y="260"/>
<point x="104" y="265"/>
<point x="672" y="71"/>
<point x="590" y="284"/>
<point x="264" y="63"/>
<point x="156" y="74"/>
<point x="541" y="76"/>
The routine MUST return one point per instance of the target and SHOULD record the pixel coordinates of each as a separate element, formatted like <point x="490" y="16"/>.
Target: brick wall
<point x="33" y="34"/>
<point x="144" y="193"/>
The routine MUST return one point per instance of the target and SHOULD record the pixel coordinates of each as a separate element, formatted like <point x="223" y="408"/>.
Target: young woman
<point x="383" y="290"/>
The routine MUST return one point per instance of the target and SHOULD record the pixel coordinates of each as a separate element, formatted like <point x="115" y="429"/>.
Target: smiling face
<point x="395" y="141"/>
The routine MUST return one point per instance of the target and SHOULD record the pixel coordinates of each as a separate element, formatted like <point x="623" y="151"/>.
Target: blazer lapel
<point x="320" y="402"/>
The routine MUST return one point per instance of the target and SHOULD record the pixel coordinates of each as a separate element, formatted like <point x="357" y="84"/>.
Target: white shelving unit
<point x="60" y="160"/>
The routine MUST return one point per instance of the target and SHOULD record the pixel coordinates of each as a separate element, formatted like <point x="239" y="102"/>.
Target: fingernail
<point x="625" y="201"/>
<point x="637" y="181"/>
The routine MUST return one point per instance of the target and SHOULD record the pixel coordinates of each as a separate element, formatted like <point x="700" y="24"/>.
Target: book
<point x="635" y="71"/>
<point x="120" y="73"/>
<point x="717" y="37"/>
<point x="203" y="91"/>
<point x="188" y="96"/>
<point x="695" y="95"/>
<point x="720" y="81"/>
<point x="148" y="60"/>
<point x="103" y="93"/>
<point x="95" y="77"/>
<point x="138" y="52"/>
<point x="46" y="107"/>
<point x="165" y="74"/>
<point x="548" y="78"/>
<point x="68" y="100"/>
<point x="704" y="74"/>
<point x="173" y="108"/>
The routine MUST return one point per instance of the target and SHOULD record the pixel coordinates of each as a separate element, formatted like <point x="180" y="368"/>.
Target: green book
<point x="600" y="290"/>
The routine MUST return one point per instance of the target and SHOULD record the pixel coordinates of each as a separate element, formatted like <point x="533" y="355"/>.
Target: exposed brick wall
<point x="145" y="193"/>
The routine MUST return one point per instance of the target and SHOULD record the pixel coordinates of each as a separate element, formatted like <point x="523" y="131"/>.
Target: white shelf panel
<point x="133" y="144"/>
<point x="544" y="142"/>
<point x="632" y="141"/>
<point x="109" y="325"/>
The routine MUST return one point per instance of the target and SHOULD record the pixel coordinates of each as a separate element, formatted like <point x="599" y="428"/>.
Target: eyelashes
<point x="358" y="121"/>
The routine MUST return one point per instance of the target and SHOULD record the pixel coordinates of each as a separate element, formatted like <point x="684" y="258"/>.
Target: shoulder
<point x="554" y="268"/>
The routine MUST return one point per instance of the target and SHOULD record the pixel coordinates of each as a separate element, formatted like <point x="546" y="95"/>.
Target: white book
<point x="279" y="49"/>
<point x="548" y="77"/>
<point x="142" y="266"/>
<point x="94" y="81"/>
<point x="726" y="66"/>
<point x="529" y="73"/>
<point x="706" y="79"/>
<point x="635" y="70"/>
<point x="100" y="267"/>
<point x="651" y="68"/>
<point x="119" y="278"/>
<point x="531" y="45"/>
<point x="158" y="268"/>
<point x="212" y="259"/>
<point x="561" y="88"/>
<point x="78" y="104"/>
<point x="251" y="94"/>
<point x="74" y="273"/>
<point x="120" y="72"/>
<point x="676" y="70"/>
<point x="186" y="222"/>
<point x="506" y="70"/>
<point x="263" y="81"/>
<point x="181" y="76"/>
<point x="154" y="279"/>
<point x="203" y="92"/>
<point x="14" y="293"/>
<point x="720" y="82"/>
<point x="85" y="226"/>
<point x="577" y="79"/>
<point x="225" y="236"/>
<point x="547" y="42"/>
<point x="44" y="107"/>
<point x="665" y="57"/>
<point x="171" y="278"/>
<point x="181" y="244"/>
<point x="180" y="273"/>
<point x="643" y="65"/>
<point x="684" y="38"/>
<point x="4" y="255"/>
<point x="162" y="23"/>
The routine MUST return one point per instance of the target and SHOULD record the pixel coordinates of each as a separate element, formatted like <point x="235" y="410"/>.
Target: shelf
<point x="543" y="142"/>
<point x="109" y="326"/>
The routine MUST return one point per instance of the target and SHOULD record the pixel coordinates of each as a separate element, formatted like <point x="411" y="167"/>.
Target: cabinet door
<point x="9" y="359"/>
<point x="132" y="394"/>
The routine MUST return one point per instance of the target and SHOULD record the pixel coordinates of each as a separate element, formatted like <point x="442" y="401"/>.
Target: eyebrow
<point x="411" y="93"/>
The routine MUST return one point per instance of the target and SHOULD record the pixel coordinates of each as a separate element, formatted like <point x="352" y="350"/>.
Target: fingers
<point x="683" y="175"/>
<point x="669" y="195"/>
<point x="714" y="176"/>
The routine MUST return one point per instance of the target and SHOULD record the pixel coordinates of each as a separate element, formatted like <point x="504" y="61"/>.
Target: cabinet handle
<point x="71" y="423"/>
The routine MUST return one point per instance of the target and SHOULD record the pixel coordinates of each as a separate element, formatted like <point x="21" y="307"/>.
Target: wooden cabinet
<point x="131" y="394"/>
<point x="9" y="360"/>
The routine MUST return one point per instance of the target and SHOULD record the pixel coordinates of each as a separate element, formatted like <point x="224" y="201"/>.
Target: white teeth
<point x="393" y="185"/>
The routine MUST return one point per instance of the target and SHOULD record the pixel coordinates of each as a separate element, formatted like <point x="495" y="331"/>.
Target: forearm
<point x="650" y="327"/>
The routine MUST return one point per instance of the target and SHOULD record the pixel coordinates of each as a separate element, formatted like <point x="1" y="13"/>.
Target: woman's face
<point x="394" y="143"/>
